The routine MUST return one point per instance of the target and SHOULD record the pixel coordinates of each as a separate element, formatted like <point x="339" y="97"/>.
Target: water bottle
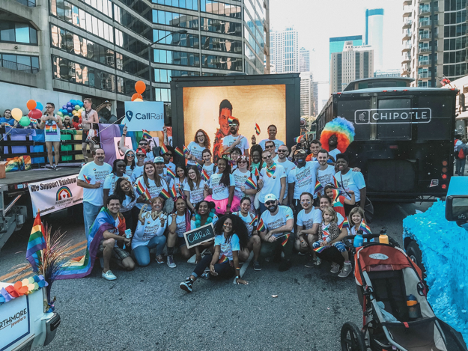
<point x="358" y="241"/>
<point x="383" y="239"/>
<point x="414" y="309"/>
<point x="128" y="235"/>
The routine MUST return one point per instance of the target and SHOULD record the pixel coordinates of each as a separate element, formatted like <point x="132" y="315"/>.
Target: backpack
<point x="461" y="154"/>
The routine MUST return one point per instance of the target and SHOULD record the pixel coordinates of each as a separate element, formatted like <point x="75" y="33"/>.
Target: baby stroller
<point x="396" y="314"/>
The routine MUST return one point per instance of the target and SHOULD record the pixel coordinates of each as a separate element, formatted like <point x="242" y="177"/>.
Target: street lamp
<point x="182" y="31"/>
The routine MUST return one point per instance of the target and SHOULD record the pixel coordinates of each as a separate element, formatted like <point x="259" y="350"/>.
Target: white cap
<point x="158" y="159"/>
<point x="270" y="197"/>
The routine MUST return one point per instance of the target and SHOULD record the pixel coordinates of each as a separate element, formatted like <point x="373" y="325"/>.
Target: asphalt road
<point x="146" y="310"/>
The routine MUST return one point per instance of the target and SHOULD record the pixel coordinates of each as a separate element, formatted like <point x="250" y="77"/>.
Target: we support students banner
<point x="55" y="194"/>
<point x="147" y="115"/>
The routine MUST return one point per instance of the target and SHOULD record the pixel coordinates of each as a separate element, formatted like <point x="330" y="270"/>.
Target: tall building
<point x="374" y="35"/>
<point x="309" y="95"/>
<point x="354" y="62"/>
<point x="284" y="50"/>
<point x="100" y="48"/>
<point x="434" y="41"/>
<point x="337" y="43"/>
<point x="304" y="60"/>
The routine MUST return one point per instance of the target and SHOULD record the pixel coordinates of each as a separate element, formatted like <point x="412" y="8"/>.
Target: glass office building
<point x="337" y="43"/>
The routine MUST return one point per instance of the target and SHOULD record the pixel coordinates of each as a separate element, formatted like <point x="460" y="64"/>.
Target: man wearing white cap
<point x="276" y="227"/>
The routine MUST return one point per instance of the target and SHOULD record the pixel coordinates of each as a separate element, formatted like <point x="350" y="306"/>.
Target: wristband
<point x="237" y="277"/>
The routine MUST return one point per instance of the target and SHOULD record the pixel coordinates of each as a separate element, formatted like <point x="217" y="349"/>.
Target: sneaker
<point x="256" y="266"/>
<point x="170" y="262"/>
<point x="205" y="275"/>
<point x="285" y="265"/>
<point x="347" y="268"/>
<point x="187" y="285"/>
<point x="310" y="263"/>
<point x="109" y="275"/>
<point x="317" y="261"/>
<point x="335" y="268"/>
<point x="159" y="259"/>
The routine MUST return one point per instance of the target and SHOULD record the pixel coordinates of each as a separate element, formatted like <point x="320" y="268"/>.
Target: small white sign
<point x="14" y="321"/>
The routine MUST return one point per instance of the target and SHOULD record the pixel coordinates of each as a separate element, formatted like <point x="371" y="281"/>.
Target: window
<point x="185" y="4"/>
<point x="222" y="44"/>
<point x="177" y="58"/>
<point x="17" y="33"/>
<point x="184" y="40"/>
<point x="162" y="94"/>
<point x="220" y="26"/>
<point x="175" y="19"/>
<point x="164" y="75"/>
<point x="221" y="62"/>
<point x="23" y="63"/>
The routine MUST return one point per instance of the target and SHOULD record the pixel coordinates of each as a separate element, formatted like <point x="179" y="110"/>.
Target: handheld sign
<point x="200" y="235"/>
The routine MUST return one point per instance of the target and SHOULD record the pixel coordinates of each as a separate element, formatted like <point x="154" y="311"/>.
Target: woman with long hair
<point x="256" y="158"/>
<point x="118" y="171"/>
<point x="196" y="147"/>
<point x="194" y="189"/>
<point x="231" y="237"/>
<point x="128" y="198"/>
<point x="221" y="189"/>
<point x="208" y="166"/>
<point x="204" y="214"/>
<point x="180" y="180"/>
<point x="129" y="159"/>
<point x="179" y="223"/>
<point x="150" y="182"/>
<point x="138" y="169"/>
<point x="241" y="175"/>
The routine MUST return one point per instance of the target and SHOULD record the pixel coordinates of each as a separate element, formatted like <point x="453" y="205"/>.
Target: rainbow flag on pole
<point x="186" y="151"/>
<point x="170" y="173"/>
<point x="345" y="224"/>
<point x="285" y="240"/>
<point x="164" y="194"/>
<point x="146" y="134"/>
<point x="179" y="151"/>
<point x="261" y="226"/>
<point x="250" y="183"/>
<point x="230" y="120"/>
<point x="205" y="175"/>
<point x="88" y="179"/>
<point x="320" y="249"/>
<point x="335" y="183"/>
<point x="141" y="190"/>
<point x="318" y="187"/>
<point x="257" y="129"/>
<point x="253" y="221"/>
<point x="36" y="243"/>
<point x="298" y="139"/>
<point x="223" y="259"/>
<point x="365" y="228"/>
<point x="164" y="149"/>
<point x="173" y="191"/>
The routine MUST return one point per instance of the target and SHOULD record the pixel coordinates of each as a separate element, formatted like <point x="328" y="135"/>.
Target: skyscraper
<point x="354" y="62"/>
<point x="304" y="60"/>
<point x="337" y="43"/>
<point x="309" y="95"/>
<point x="284" y="50"/>
<point x="374" y="35"/>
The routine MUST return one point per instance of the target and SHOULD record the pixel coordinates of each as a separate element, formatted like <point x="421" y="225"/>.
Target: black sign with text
<point x="393" y="116"/>
<point x="200" y="235"/>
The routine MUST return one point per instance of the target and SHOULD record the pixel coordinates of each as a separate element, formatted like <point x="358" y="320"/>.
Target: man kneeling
<point x="276" y="227"/>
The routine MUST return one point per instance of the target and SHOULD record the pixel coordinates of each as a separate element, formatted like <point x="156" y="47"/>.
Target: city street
<point x="146" y="310"/>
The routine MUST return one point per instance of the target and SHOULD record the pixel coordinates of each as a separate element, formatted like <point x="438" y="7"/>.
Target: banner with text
<point x="55" y="194"/>
<point x="147" y="115"/>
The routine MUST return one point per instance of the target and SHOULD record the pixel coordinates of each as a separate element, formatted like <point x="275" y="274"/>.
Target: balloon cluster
<point x="140" y="88"/>
<point x="20" y="288"/>
<point x="71" y="108"/>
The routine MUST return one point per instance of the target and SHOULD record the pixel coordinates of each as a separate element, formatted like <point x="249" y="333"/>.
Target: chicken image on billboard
<point x="209" y="108"/>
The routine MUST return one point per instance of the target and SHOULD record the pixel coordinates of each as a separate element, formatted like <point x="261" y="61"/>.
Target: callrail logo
<point x="63" y="193"/>
<point x="147" y="115"/>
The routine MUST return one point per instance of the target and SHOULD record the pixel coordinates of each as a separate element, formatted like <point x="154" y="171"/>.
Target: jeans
<point x="142" y="252"/>
<point x="269" y="249"/>
<point x="460" y="166"/>
<point x="224" y="270"/>
<point x="90" y="213"/>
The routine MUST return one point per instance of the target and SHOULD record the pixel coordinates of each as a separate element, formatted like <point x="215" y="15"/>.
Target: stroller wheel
<point x="351" y="338"/>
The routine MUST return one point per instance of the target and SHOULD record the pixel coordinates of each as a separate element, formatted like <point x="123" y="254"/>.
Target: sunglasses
<point x="143" y="144"/>
<point x="141" y="155"/>
<point x="232" y="125"/>
<point x="282" y="150"/>
<point x="48" y="107"/>
<point x="242" y="161"/>
<point x="270" y="203"/>
<point x="266" y="157"/>
<point x="130" y="155"/>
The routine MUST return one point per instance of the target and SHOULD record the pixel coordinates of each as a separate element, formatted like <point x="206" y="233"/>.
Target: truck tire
<point x="415" y="254"/>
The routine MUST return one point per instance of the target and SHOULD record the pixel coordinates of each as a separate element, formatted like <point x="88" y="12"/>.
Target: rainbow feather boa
<point x="342" y="128"/>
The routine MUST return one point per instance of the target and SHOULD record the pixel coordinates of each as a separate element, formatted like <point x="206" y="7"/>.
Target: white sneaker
<point x="347" y="269"/>
<point x="335" y="267"/>
<point x="109" y="275"/>
<point x="170" y="262"/>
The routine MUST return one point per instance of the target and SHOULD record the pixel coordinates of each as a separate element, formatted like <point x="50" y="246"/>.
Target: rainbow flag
<point x="261" y="226"/>
<point x="146" y="134"/>
<point x="318" y="186"/>
<point x="257" y="129"/>
<point x="365" y="228"/>
<point x="186" y="151"/>
<point x="320" y="249"/>
<point x="164" y="149"/>
<point x="173" y="191"/>
<point x="271" y="170"/>
<point x="141" y="190"/>
<point x="250" y="183"/>
<point x="257" y="173"/>
<point x="223" y="259"/>
<point x="36" y="244"/>
<point x="253" y="221"/>
<point x="345" y="223"/>
<point x="82" y="266"/>
<point x="170" y="173"/>
<point x="285" y="240"/>
<point x="88" y="179"/>
<point x="335" y="183"/>
<point x="179" y="151"/>
<point x="205" y="175"/>
<point x="165" y="194"/>
<point x="336" y="196"/>
<point x="298" y="139"/>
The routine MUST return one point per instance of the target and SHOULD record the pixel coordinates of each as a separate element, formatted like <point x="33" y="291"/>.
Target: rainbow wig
<point x="342" y="128"/>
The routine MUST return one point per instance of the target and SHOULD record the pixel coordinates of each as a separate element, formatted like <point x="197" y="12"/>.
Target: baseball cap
<point x="270" y="197"/>
<point x="300" y="152"/>
<point x="158" y="159"/>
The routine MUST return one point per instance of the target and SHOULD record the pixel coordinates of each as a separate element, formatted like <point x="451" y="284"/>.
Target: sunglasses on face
<point x="168" y="155"/>
<point x="282" y="150"/>
<point x="141" y="155"/>
<point x="143" y="144"/>
<point x="130" y="155"/>
<point x="270" y="203"/>
<point x="242" y="161"/>
<point x="232" y="125"/>
<point x="266" y="157"/>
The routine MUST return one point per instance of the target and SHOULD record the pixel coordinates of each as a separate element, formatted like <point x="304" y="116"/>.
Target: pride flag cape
<point x="36" y="243"/>
<point x="82" y="266"/>
<point x="164" y="149"/>
<point x="318" y="186"/>
<point x="257" y="129"/>
<point x="179" y="151"/>
<point x="146" y="134"/>
<point x="205" y="175"/>
<point x="250" y="183"/>
<point x="365" y="228"/>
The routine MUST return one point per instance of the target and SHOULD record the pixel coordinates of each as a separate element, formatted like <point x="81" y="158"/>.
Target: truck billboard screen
<point x="251" y="104"/>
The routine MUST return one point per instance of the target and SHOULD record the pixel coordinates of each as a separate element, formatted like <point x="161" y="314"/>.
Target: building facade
<point x="387" y="73"/>
<point x="309" y="95"/>
<point x="100" y="48"/>
<point x="337" y="44"/>
<point x="284" y="50"/>
<point x="374" y="35"/>
<point x="354" y="62"/>
<point x="304" y="60"/>
<point x="434" y="41"/>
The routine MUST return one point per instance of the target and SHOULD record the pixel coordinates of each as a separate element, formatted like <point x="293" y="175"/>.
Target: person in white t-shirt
<point x="221" y="189"/>
<point x="272" y="130"/>
<point x="167" y="156"/>
<point x="231" y="237"/>
<point x="150" y="182"/>
<point x="179" y="223"/>
<point x="91" y="179"/>
<point x="282" y="159"/>
<point x="326" y="171"/>
<point x="194" y="188"/>
<point x="138" y="169"/>
<point x="350" y="180"/>
<point x="241" y="175"/>
<point x="208" y="166"/>
<point x="118" y="171"/>
<point x="301" y="179"/>
<point x="234" y="139"/>
<point x="196" y="147"/>
<point x="270" y="146"/>
<point x="272" y="181"/>
<point x="180" y="180"/>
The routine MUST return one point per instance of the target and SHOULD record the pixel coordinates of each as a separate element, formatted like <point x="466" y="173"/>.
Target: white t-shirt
<point x="351" y="181"/>
<point x="278" y="220"/>
<point x="220" y="191"/>
<point x="227" y="247"/>
<point x="325" y="176"/>
<point x="287" y="165"/>
<point x="303" y="178"/>
<point x="271" y="185"/>
<point x="128" y="203"/>
<point x="195" y="150"/>
<point x="92" y="173"/>
<point x="240" y="179"/>
<point x="333" y="153"/>
<point x="243" y="145"/>
<point x="137" y="172"/>
<point x="151" y="228"/>
<point x="171" y="166"/>
<point x="153" y="189"/>
<point x="249" y="220"/>
<point x="209" y="169"/>
<point x="277" y="142"/>
<point x="178" y="185"/>
<point x="307" y="220"/>
<point x="111" y="181"/>
<point x="129" y="171"/>
<point x="181" y="226"/>
<point x="196" y="195"/>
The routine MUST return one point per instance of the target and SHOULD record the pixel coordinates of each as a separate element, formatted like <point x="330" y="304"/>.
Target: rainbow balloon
<point x="342" y="128"/>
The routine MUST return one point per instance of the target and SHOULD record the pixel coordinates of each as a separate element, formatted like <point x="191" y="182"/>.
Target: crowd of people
<point x="266" y="199"/>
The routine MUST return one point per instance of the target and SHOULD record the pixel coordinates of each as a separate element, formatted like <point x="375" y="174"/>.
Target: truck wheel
<point x="414" y="252"/>
<point x="351" y="338"/>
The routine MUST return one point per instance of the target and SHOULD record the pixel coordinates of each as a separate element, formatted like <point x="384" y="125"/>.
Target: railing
<point x="408" y="22"/>
<point x="425" y="75"/>
<point x="427" y="9"/>
<point x="406" y="33"/>
<point x="428" y="23"/>
<point x="423" y="62"/>
<point x="425" y="49"/>
<point x="28" y="3"/>
<point x="406" y="58"/>
<point x="407" y="8"/>
<point x="18" y="66"/>
<point x="424" y="36"/>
